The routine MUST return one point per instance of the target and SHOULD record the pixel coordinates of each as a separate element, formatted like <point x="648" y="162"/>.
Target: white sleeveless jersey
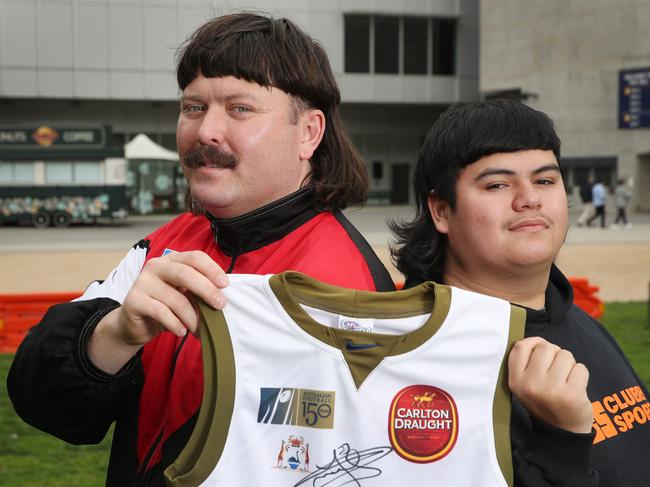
<point x="308" y="384"/>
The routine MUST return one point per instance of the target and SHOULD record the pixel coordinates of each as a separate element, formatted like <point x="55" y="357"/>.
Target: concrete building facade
<point x="111" y="62"/>
<point x="585" y="63"/>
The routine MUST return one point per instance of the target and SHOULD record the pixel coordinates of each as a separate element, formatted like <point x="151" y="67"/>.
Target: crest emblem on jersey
<point x="422" y="423"/>
<point x="294" y="454"/>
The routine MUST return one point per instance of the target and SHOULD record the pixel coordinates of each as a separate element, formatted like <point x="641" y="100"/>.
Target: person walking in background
<point x="598" y="199"/>
<point x="622" y="196"/>
<point x="586" y="198"/>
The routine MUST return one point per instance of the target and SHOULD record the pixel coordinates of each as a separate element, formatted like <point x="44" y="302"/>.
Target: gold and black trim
<point x="191" y="468"/>
<point x="502" y="404"/>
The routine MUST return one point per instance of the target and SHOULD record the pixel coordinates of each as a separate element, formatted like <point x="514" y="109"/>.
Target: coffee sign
<point x="52" y="137"/>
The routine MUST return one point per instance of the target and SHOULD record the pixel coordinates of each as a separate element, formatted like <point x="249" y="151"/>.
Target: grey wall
<point x="124" y="49"/>
<point x="112" y="62"/>
<point x="567" y="55"/>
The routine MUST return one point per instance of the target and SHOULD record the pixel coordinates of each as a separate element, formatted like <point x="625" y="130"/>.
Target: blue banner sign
<point x="634" y="98"/>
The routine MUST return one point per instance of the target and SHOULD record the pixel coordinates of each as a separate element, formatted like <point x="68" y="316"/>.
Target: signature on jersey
<point x="347" y="467"/>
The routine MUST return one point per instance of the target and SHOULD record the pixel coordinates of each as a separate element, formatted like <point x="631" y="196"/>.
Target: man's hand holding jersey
<point x="158" y="301"/>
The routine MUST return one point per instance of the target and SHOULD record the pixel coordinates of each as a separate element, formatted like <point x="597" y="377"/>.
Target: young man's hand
<point x="158" y="301"/>
<point x="550" y="384"/>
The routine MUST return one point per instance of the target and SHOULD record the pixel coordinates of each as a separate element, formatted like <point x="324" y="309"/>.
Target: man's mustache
<point x="209" y="156"/>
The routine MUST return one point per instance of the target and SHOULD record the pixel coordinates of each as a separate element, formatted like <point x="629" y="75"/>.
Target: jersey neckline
<point x="362" y="351"/>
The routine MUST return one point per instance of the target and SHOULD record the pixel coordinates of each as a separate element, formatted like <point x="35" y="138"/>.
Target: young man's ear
<point x="439" y="211"/>
<point x="313" y="128"/>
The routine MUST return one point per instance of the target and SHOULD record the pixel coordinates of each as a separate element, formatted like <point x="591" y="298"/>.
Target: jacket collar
<point x="263" y="226"/>
<point x="559" y="298"/>
<point x="559" y="295"/>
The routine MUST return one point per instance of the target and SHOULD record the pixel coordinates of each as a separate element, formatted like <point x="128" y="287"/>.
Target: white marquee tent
<point x="150" y="175"/>
<point x="142" y="147"/>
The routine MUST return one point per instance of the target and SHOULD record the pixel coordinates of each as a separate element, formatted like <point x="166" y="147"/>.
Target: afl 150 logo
<point x="422" y="423"/>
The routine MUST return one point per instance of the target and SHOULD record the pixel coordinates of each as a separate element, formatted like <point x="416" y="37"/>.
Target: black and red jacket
<point x="154" y="399"/>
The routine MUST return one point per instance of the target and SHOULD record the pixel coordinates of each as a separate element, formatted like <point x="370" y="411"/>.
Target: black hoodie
<point x="619" y="454"/>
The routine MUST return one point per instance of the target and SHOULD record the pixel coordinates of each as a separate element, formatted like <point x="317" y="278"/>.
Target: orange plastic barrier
<point x="584" y="297"/>
<point x="19" y="312"/>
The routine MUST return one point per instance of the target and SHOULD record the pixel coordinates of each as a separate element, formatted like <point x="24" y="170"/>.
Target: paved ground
<point x="48" y="260"/>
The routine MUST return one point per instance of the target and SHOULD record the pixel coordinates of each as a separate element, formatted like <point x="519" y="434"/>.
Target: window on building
<point x="88" y="172"/>
<point x="443" y="46"/>
<point x="605" y="175"/>
<point x="16" y="172"/>
<point x="24" y="172"/>
<point x="357" y="44"/>
<point x="6" y="172"/>
<point x="377" y="170"/>
<point x="58" y="172"/>
<point x="599" y="168"/>
<point x="400" y="45"/>
<point x="415" y="45"/>
<point x="579" y="176"/>
<point x="73" y="172"/>
<point x="386" y="45"/>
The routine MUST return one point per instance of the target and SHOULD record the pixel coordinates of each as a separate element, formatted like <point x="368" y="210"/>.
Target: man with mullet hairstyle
<point x="491" y="217"/>
<point x="269" y="167"/>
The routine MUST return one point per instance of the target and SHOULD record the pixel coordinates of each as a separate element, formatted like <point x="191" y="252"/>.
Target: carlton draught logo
<point x="422" y="423"/>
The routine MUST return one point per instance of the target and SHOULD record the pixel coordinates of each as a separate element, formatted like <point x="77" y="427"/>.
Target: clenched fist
<point x="550" y="384"/>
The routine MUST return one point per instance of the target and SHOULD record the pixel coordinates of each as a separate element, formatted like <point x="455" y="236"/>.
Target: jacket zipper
<point x="143" y="472"/>
<point x="232" y="262"/>
<point x="141" y="477"/>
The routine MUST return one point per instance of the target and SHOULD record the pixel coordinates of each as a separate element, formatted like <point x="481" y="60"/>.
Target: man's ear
<point x="313" y="128"/>
<point x="439" y="211"/>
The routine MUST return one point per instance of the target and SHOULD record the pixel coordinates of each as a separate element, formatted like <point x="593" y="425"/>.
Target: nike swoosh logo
<point x="350" y="345"/>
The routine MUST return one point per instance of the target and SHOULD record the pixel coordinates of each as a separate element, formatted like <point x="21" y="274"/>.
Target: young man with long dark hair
<point x="491" y="217"/>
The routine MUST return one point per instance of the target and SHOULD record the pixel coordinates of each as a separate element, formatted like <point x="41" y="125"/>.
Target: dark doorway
<point x="399" y="194"/>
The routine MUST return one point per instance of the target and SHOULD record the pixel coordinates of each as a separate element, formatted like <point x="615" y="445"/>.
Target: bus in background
<point x="59" y="174"/>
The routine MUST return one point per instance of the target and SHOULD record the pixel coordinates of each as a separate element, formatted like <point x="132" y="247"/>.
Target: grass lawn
<point x="630" y="325"/>
<point x="29" y="458"/>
